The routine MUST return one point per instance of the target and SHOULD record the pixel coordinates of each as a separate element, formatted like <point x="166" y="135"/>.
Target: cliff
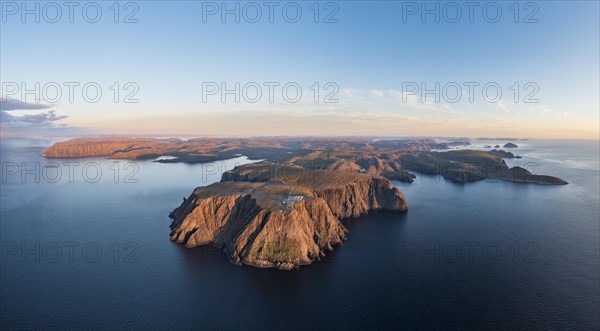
<point x="256" y="223"/>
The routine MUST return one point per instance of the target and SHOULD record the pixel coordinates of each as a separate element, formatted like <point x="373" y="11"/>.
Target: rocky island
<point x="286" y="211"/>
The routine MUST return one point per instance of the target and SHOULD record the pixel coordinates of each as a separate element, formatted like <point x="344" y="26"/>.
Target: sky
<point x="371" y="68"/>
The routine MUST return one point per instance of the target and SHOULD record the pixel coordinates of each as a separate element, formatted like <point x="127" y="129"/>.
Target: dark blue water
<point x="96" y="255"/>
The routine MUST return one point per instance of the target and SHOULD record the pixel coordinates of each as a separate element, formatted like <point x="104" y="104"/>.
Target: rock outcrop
<point x="269" y="220"/>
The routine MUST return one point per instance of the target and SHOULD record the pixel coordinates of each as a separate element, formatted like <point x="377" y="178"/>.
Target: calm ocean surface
<point x="84" y="254"/>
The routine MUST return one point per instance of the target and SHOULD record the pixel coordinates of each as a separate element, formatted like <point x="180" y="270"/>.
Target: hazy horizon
<point x="347" y="69"/>
<point x="192" y="136"/>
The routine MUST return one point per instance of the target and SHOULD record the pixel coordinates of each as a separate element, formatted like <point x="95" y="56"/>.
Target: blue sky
<point x="370" y="55"/>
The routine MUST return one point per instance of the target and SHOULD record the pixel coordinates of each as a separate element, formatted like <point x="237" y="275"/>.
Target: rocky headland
<point x="286" y="211"/>
<point x="273" y="216"/>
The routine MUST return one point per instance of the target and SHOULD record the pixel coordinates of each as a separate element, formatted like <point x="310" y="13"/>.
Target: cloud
<point x="395" y="100"/>
<point x="543" y="110"/>
<point x="377" y="93"/>
<point x="43" y="119"/>
<point x="502" y="106"/>
<point x="5" y="117"/>
<point x="12" y="104"/>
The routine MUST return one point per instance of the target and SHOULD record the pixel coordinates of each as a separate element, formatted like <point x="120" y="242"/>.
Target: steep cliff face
<point x="254" y="224"/>
<point x="85" y="148"/>
<point x="360" y="196"/>
<point x="253" y="235"/>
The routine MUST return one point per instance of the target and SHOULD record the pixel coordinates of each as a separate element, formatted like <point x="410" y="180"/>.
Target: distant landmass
<point x="286" y="210"/>
<point x="395" y="159"/>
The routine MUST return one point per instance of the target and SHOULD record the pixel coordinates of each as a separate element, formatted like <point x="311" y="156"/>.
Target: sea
<point x="85" y="246"/>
